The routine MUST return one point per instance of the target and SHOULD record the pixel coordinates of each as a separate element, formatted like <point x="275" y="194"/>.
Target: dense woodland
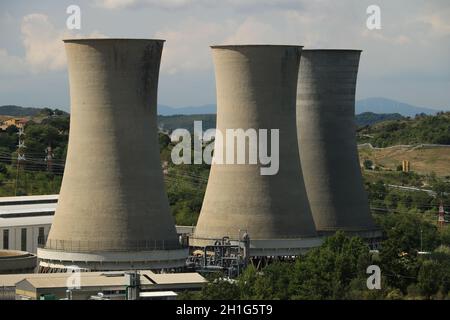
<point x="422" y="129"/>
<point x="337" y="269"/>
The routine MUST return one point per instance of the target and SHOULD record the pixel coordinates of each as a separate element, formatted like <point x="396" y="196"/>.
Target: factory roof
<point x="102" y="279"/>
<point x="27" y="209"/>
<point x="28" y="199"/>
<point x="25" y="221"/>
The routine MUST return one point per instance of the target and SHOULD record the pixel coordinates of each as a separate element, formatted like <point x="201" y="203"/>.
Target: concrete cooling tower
<point x="113" y="212"/>
<point x="327" y="142"/>
<point x="256" y="89"/>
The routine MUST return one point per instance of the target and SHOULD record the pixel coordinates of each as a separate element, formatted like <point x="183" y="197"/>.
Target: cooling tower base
<point x="98" y="261"/>
<point x="268" y="247"/>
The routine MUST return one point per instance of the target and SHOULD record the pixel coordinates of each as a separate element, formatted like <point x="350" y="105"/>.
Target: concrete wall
<point x="15" y="236"/>
<point x="13" y="262"/>
<point x="327" y="140"/>
<point x="113" y="195"/>
<point x="256" y="88"/>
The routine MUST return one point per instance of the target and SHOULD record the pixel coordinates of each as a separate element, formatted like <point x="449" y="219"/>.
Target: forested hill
<point x="18" y="111"/>
<point x="170" y="123"/>
<point x="427" y="129"/>
<point x="370" y="118"/>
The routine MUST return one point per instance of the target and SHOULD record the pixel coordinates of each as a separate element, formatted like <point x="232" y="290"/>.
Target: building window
<point x="23" y="239"/>
<point x="41" y="236"/>
<point x="6" y="239"/>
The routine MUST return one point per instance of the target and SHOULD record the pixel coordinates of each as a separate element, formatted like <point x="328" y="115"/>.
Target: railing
<point x="41" y="241"/>
<point x="111" y="246"/>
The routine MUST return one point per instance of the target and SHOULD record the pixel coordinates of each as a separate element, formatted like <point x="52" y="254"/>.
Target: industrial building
<point x="327" y="142"/>
<point x="96" y="285"/>
<point x="25" y="221"/>
<point x="113" y="212"/>
<point x="256" y="89"/>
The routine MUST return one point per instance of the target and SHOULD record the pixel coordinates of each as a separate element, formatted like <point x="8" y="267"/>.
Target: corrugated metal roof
<point x="99" y="279"/>
<point x="49" y="197"/>
<point x="167" y="278"/>
<point x="27" y="208"/>
<point x="25" y="221"/>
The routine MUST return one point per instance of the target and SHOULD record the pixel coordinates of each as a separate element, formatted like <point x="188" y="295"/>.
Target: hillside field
<point x="423" y="159"/>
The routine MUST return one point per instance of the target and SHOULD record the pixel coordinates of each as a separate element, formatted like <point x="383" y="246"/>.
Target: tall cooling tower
<point x="327" y="141"/>
<point x="113" y="212"/>
<point x="256" y="89"/>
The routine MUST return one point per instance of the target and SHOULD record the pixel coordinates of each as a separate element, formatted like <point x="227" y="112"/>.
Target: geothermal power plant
<point x="114" y="214"/>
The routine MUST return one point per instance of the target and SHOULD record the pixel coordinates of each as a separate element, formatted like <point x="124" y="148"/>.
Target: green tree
<point x="368" y="164"/>
<point x="326" y="272"/>
<point x="429" y="278"/>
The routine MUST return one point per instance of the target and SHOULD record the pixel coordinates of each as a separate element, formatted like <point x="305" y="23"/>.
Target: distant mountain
<point x="170" y="111"/>
<point x="383" y="105"/>
<point x="170" y="123"/>
<point x="173" y="122"/>
<point x="374" y="105"/>
<point x="370" y="118"/>
<point x="17" y="111"/>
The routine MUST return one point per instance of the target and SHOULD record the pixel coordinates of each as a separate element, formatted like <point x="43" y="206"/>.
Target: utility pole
<point x="421" y="240"/>
<point x="49" y="158"/>
<point x="20" y="155"/>
<point x="441" y="217"/>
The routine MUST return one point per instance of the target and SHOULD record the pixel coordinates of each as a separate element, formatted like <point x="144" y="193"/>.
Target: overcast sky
<point x="407" y="60"/>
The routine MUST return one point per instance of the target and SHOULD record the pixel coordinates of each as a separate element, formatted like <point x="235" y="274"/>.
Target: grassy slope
<point x="423" y="160"/>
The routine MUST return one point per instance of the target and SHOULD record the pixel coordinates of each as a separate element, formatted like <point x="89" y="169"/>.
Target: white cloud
<point x="115" y="4"/>
<point x="164" y="4"/>
<point x="44" y="49"/>
<point x="187" y="45"/>
<point x="440" y="24"/>
<point x="10" y="64"/>
<point x="182" y="4"/>
<point x="42" y="42"/>
<point x="253" y="31"/>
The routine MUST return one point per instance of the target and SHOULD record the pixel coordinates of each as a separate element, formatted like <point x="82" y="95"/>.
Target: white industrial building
<point x="25" y="221"/>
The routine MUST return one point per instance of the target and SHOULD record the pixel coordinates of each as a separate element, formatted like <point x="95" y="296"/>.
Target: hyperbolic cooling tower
<point x="113" y="212"/>
<point x="327" y="141"/>
<point x="256" y="89"/>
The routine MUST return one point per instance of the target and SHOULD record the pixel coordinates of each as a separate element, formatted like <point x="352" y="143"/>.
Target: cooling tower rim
<point x="75" y="40"/>
<point x="334" y="50"/>
<point x="230" y="46"/>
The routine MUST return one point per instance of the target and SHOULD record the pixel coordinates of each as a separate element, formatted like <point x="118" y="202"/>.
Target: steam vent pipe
<point x="256" y="89"/>
<point x="113" y="212"/>
<point x="327" y="141"/>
